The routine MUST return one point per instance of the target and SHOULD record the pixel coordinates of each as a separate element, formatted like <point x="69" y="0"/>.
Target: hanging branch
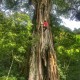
<point x="10" y="67"/>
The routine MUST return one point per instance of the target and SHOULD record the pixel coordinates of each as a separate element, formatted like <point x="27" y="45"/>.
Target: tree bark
<point x="43" y="63"/>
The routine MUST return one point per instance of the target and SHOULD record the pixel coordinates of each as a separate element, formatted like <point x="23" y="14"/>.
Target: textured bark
<point x="43" y="64"/>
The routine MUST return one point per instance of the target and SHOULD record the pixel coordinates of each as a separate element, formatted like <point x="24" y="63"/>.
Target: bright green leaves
<point x="10" y="78"/>
<point x="15" y="33"/>
<point x="18" y="58"/>
<point x="21" y="49"/>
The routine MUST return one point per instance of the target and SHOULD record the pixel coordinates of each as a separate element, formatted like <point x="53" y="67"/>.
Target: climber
<point x="45" y="25"/>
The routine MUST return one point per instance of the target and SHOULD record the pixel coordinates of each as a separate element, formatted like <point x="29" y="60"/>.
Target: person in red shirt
<point x="45" y="25"/>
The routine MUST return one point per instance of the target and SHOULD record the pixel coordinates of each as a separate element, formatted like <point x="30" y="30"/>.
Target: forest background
<point x="16" y="39"/>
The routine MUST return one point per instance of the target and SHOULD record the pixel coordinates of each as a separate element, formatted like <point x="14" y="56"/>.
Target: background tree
<point x="15" y="33"/>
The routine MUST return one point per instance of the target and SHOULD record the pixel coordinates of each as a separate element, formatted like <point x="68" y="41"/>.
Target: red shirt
<point x="45" y="24"/>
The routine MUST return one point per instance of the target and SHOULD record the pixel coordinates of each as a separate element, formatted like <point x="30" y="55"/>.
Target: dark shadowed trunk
<point x="43" y="64"/>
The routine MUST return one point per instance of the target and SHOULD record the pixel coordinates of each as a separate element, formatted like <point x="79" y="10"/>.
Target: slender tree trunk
<point x="43" y="64"/>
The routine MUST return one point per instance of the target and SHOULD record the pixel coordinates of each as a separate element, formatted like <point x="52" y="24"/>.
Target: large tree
<point x="43" y="64"/>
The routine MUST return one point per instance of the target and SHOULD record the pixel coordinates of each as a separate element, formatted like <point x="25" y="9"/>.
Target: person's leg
<point x="45" y="28"/>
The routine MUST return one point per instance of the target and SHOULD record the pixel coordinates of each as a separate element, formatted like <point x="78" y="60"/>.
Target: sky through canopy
<point x="72" y="24"/>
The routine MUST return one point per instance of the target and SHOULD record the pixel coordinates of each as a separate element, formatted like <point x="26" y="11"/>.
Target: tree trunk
<point x="43" y="64"/>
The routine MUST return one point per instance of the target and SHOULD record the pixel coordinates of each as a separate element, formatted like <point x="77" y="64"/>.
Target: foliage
<point x="66" y="44"/>
<point x="77" y="31"/>
<point x="62" y="6"/>
<point x="16" y="40"/>
<point x="11" y="3"/>
<point x="15" y="33"/>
